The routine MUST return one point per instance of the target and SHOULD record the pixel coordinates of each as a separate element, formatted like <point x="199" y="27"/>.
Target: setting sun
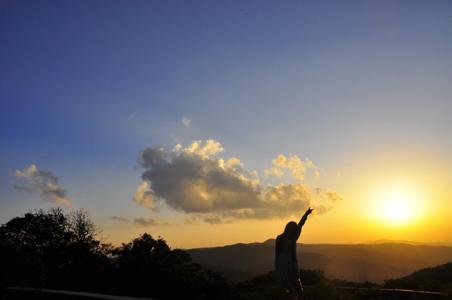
<point x="397" y="205"/>
<point x="397" y="210"/>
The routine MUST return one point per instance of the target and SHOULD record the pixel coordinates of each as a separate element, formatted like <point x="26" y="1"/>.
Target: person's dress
<point x="286" y="263"/>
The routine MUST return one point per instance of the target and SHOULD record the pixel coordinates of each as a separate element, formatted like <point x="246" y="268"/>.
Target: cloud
<point x="204" y="149"/>
<point x="333" y="196"/>
<point x="186" y="121"/>
<point x="292" y="164"/>
<point x="213" y="219"/>
<point x="254" y="173"/>
<point x="144" y="195"/>
<point x="210" y="218"/>
<point x="195" y="180"/>
<point x="43" y="182"/>
<point x="120" y="219"/>
<point x="278" y="201"/>
<point x="148" y="222"/>
<point x="192" y="220"/>
<point x="277" y="172"/>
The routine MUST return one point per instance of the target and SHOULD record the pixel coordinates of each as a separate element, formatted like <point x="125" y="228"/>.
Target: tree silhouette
<point x="57" y="250"/>
<point x="50" y="248"/>
<point x="149" y="264"/>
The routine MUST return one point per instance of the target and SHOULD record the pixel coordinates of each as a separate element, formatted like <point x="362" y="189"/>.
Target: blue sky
<point x="86" y="85"/>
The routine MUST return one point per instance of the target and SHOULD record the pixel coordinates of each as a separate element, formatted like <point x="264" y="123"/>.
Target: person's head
<point x="291" y="229"/>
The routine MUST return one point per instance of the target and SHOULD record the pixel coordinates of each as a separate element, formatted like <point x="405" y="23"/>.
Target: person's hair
<point x="291" y="229"/>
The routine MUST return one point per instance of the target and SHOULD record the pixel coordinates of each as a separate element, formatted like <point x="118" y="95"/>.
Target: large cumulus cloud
<point x="196" y="180"/>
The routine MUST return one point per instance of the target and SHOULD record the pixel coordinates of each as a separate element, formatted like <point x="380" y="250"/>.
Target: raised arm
<point x="304" y="218"/>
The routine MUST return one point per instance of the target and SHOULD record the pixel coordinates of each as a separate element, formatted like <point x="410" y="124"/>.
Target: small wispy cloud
<point x="333" y="196"/>
<point x="120" y="219"/>
<point x="148" y="222"/>
<point x="215" y="219"/>
<point x="44" y="183"/>
<point x="186" y="121"/>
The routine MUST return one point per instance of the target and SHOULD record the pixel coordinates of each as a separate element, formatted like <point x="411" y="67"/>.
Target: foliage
<point x="57" y="250"/>
<point x="50" y="248"/>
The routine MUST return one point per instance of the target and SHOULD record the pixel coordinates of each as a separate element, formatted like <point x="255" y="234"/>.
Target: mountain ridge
<point x="355" y="262"/>
<point x="438" y="278"/>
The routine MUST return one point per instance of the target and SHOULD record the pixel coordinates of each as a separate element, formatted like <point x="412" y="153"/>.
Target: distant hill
<point x="355" y="262"/>
<point x="437" y="278"/>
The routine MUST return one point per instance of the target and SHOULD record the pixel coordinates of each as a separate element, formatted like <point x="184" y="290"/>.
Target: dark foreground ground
<point x="311" y="292"/>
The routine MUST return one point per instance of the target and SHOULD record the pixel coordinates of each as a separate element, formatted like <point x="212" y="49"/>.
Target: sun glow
<point x="397" y="205"/>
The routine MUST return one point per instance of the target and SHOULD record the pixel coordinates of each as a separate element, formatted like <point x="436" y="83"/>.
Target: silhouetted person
<point x="286" y="263"/>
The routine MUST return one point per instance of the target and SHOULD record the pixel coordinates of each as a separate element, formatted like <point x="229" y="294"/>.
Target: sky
<point x="216" y="122"/>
